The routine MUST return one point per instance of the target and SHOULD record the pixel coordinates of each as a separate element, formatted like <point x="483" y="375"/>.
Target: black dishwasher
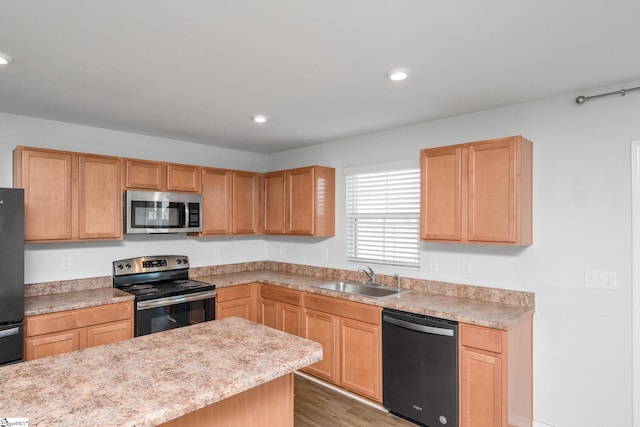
<point x="420" y="368"/>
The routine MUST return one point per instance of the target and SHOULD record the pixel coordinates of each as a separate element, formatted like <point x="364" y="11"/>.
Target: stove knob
<point x="184" y="261"/>
<point x="128" y="266"/>
<point x="179" y="261"/>
<point x="120" y="267"/>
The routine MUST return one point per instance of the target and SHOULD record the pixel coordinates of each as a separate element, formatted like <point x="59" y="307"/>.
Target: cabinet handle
<point x="418" y="328"/>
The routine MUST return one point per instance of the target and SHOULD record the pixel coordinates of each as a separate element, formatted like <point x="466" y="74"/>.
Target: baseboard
<point x="345" y="392"/>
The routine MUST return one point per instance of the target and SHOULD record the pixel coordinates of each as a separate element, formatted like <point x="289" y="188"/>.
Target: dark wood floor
<point x="319" y="406"/>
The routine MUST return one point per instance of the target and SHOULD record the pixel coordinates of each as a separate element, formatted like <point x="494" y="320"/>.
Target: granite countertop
<point x="468" y="307"/>
<point x="151" y="379"/>
<point x="461" y="309"/>
<point x="52" y="303"/>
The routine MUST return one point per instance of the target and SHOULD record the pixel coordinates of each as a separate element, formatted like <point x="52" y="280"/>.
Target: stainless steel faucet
<point x="370" y="274"/>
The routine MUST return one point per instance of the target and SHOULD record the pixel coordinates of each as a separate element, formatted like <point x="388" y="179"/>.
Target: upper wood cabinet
<point x="274" y="202"/>
<point x="231" y="202"/>
<point x="300" y="202"/>
<point x="159" y="176"/>
<point x="246" y="203"/>
<point x="69" y="196"/>
<point x="479" y="192"/>
<point x="216" y="201"/>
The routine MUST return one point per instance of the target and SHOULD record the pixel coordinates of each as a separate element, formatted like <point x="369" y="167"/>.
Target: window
<point x="383" y="216"/>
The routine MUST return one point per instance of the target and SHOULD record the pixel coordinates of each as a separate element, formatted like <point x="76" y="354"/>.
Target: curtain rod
<point x="622" y="92"/>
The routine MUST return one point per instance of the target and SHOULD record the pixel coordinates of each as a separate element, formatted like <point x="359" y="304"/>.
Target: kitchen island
<point x="207" y="374"/>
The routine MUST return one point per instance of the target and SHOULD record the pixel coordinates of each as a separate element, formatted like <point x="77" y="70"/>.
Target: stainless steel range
<point x="165" y="297"/>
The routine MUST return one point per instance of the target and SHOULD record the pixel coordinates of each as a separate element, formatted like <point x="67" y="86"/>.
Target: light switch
<point x="600" y="279"/>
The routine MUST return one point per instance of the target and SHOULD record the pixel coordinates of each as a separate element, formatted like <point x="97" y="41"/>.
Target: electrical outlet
<point x="433" y="263"/>
<point x="466" y="267"/>
<point x="66" y="263"/>
<point x="600" y="279"/>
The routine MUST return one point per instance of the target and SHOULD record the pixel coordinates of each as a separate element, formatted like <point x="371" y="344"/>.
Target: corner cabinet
<point x="280" y="309"/>
<point x="237" y="301"/>
<point x="479" y="192"/>
<point x="69" y="196"/>
<point x="231" y="202"/>
<point x="496" y="376"/>
<point x="56" y="333"/>
<point x="350" y="334"/>
<point x="300" y="202"/>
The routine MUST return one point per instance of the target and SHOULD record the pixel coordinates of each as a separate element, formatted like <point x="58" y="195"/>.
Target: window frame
<point x="403" y="236"/>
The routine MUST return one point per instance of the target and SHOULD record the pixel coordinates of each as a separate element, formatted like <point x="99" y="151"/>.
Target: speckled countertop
<point x="51" y="303"/>
<point x="151" y="379"/>
<point x="494" y="308"/>
<point x="462" y="309"/>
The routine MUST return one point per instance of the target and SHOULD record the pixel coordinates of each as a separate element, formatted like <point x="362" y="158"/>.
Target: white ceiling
<point x="196" y="70"/>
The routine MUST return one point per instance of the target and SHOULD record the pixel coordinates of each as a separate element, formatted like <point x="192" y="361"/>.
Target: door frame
<point x="635" y="279"/>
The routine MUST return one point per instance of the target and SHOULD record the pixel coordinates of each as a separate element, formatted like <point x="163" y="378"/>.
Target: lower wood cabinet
<point x="496" y="376"/>
<point x="237" y="301"/>
<point x="280" y="309"/>
<point x="350" y="334"/>
<point x="56" y="333"/>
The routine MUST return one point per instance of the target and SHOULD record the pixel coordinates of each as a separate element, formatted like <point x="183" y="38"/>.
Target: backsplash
<point x="502" y="296"/>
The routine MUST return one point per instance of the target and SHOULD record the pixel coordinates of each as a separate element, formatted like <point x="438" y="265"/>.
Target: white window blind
<point x="383" y="217"/>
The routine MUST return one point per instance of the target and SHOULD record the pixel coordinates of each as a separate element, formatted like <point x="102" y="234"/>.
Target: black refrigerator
<point x="11" y="274"/>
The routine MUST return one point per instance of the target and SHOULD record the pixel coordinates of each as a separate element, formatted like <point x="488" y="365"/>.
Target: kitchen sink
<point x="375" y="291"/>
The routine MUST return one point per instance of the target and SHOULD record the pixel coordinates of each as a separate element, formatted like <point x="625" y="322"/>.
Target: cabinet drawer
<point x="289" y="296"/>
<point x="343" y="308"/>
<point x="233" y="292"/>
<point x="55" y="322"/>
<point x="481" y="338"/>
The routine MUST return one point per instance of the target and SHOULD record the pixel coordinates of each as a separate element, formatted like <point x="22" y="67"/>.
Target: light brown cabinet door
<point x="145" y="175"/>
<point x="238" y="308"/>
<point x="247" y="188"/>
<point x="492" y="191"/>
<point x="216" y="200"/>
<point x="60" y="332"/>
<point x="269" y="313"/>
<point x="51" y="344"/>
<point x="45" y="177"/>
<point x="322" y="328"/>
<point x="108" y="333"/>
<point x="274" y="203"/>
<point x="360" y="364"/>
<point x="481" y="389"/>
<point x="290" y="319"/>
<point x="480" y="192"/>
<point x="184" y="178"/>
<point x="99" y="197"/>
<point x="441" y="181"/>
<point x="301" y="201"/>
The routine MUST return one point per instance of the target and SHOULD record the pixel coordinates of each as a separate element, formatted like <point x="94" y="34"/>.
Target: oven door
<point x="162" y="314"/>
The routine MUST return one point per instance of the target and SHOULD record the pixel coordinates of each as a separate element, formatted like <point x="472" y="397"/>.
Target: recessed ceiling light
<point x="398" y="74"/>
<point x="259" y="118"/>
<point x="4" y="59"/>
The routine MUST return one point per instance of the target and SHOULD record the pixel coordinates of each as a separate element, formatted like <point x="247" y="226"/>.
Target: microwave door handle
<point x="185" y="212"/>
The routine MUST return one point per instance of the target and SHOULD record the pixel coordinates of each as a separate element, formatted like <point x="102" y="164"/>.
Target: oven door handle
<point x="178" y="299"/>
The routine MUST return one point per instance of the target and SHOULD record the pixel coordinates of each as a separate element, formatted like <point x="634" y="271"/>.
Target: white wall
<point x="44" y="262"/>
<point x="582" y="220"/>
<point x="582" y="337"/>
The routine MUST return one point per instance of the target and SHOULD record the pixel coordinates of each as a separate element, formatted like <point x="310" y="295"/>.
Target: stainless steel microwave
<point x="149" y="212"/>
